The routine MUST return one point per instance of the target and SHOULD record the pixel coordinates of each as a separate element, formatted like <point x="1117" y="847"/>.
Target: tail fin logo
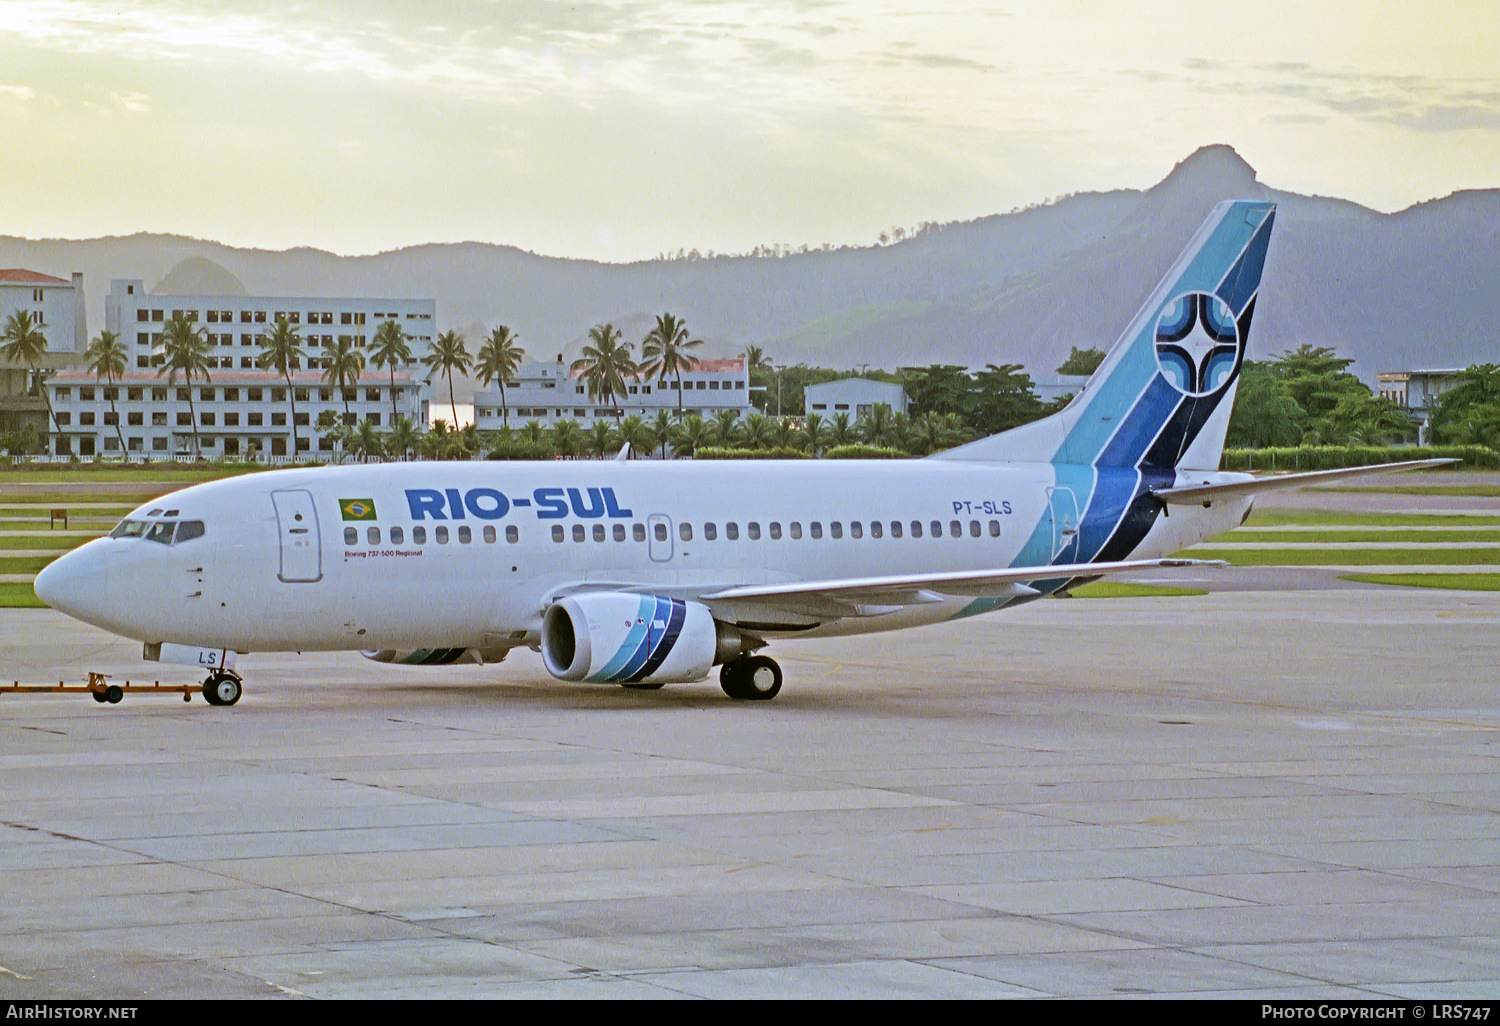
<point x="1197" y="343"/>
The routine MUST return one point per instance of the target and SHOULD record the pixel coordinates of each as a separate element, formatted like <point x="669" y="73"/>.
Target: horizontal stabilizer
<point x="1203" y="494"/>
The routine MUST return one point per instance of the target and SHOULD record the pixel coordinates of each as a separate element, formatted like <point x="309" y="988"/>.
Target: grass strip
<point x="24" y="564"/>
<point x="27" y="542"/>
<point x="134" y="498"/>
<point x="1348" y="557"/>
<point x="1478" y="490"/>
<point x="19" y="596"/>
<point x="1120" y="589"/>
<point x="1355" y="535"/>
<point x="1456" y="582"/>
<point x="134" y="475"/>
<point x="1332" y="518"/>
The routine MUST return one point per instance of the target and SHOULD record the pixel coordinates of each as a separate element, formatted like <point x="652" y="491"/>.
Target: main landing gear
<point x="753" y="678"/>
<point x="223" y="687"/>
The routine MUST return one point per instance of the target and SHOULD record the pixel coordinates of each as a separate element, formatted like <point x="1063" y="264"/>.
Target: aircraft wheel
<point x="113" y="694"/>
<point x="761" y="678"/>
<point x="645" y="685"/>
<point x="99" y="697"/>
<point x="730" y="678"/>
<point x="222" y="688"/>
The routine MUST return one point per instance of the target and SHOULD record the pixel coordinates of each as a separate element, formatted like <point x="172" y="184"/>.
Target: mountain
<point x="1420" y="287"/>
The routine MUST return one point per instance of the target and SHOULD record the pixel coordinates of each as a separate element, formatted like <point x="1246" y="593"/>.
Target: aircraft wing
<point x="1203" y="494"/>
<point x="873" y="596"/>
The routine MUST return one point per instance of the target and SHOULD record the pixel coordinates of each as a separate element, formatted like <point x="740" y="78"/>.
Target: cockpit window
<point x="129" y="529"/>
<point x="161" y="531"/>
<point x="187" y="531"/>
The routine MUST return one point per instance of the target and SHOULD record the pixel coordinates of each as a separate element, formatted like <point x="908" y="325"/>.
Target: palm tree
<point x="342" y="367"/>
<point x="875" y="426"/>
<point x="282" y="350"/>
<point x="727" y="427"/>
<point x="404" y="438"/>
<point x="692" y="434"/>
<point x="640" y="435"/>
<point x="784" y="434"/>
<point x="185" y="348"/>
<point x="25" y="343"/>
<point x="106" y="360"/>
<point x="664" y="352"/>
<point x="662" y="428"/>
<point x="601" y="439"/>
<point x="605" y="363"/>
<point x="567" y="437"/>
<point x="841" y="431"/>
<point x="815" y="427"/>
<point x="389" y="349"/>
<point x="756" y="431"/>
<point x="498" y="359"/>
<point x="449" y="354"/>
<point x="365" y="441"/>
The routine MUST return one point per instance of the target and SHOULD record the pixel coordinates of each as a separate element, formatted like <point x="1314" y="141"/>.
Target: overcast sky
<point x="621" y="129"/>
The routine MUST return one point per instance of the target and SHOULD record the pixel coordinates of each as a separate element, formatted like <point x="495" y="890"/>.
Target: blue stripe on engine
<point x="637" y="636"/>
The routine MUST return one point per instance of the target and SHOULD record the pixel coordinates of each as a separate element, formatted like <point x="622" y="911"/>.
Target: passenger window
<point x="916" y="528"/>
<point x="685" y="531"/>
<point x="398" y="536"/>
<point x="836" y="529"/>
<point x="489" y="534"/>
<point x="619" y="532"/>
<point x="161" y="531"/>
<point x="638" y="532"/>
<point x="465" y="536"/>
<point x="815" y="529"/>
<point x="955" y="529"/>
<point x="895" y="528"/>
<point x="372" y="535"/>
<point x="973" y="529"/>
<point x="994" y="528"/>
<point x="875" y="529"/>
<point x="351" y="535"/>
<point x="512" y="534"/>
<point x="440" y="535"/>
<point x="776" y="530"/>
<point x="661" y="532"/>
<point x="732" y="531"/>
<point x="794" y="529"/>
<point x="753" y="530"/>
<point x="129" y="529"/>
<point x="598" y="532"/>
<point x="419" y="536"/>
<point x="579" y="534"/>
<point x="710" y="532"/>
<point x="937" y="528"/>
<point x="557" y="532"/>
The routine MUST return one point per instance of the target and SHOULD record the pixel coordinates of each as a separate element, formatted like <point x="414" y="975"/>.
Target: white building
<point x="240" y="408"/>
<point x="854" y="396"/>
<point x="56" y="308"/>
<point x="550" y="392"/>
<point x="1417" y="392"/>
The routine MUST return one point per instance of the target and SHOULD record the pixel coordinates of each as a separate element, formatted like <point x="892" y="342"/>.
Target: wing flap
<point x="1201" y="494"/>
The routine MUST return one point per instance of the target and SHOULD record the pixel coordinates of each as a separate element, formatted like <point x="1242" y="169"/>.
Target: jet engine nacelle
<point x="625" y="638"/>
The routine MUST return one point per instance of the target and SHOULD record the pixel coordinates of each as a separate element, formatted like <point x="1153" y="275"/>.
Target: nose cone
<point x="75" y="584"/>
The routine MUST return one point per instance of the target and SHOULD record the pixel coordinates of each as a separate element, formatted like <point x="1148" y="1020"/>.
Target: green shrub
<point x="1330" y="457"/>
<point x="781" y="453"/>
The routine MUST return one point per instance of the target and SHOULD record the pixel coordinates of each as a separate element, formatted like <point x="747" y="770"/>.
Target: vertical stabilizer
<point x="1162" y="397"/>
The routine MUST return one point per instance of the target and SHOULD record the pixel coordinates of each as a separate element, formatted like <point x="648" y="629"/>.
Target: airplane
<point x="652" y="572"/>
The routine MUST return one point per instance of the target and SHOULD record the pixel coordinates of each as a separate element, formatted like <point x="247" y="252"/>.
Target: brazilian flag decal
<point x="357" y="509"/>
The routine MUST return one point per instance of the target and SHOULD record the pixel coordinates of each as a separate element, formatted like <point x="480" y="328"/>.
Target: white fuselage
<point x="471" y="554"/>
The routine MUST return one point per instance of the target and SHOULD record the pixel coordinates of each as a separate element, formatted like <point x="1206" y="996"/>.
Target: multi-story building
<point x="240" y="408"/>
<point x="1417" y="391"/>
<point x="57" y="310"/>
<point x="550" y="392"/>
<point x="854" y="396"/>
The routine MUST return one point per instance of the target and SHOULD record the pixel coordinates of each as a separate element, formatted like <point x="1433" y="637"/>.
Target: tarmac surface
<point x="1284" y="789"/>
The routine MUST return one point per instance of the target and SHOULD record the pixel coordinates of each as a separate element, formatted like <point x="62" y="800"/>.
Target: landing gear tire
<point x="99" y="697"/>
<point x="756" y="679"/>
<point x="113" y="694"/>
<point x="645" y="685"/>
<point x="222" y="688"/>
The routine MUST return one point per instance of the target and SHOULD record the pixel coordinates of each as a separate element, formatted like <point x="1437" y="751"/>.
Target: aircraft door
<point x="659" y="537"/>
<point x="1062" y="506"/>
<point x="301" y="546"/>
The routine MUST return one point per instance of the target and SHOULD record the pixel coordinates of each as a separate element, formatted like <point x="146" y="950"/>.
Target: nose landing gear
<point x="223" y="687"/>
